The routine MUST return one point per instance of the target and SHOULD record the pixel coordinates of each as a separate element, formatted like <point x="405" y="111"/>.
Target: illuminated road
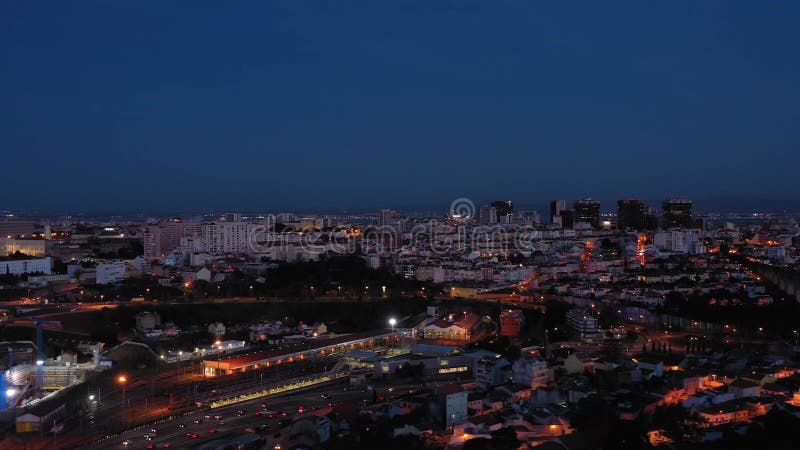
<point x="170" y="432"/>
<point x="147" y="399"/>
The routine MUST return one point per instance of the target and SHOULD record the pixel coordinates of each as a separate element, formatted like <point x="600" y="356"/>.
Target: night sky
<point x="160" y="105"/>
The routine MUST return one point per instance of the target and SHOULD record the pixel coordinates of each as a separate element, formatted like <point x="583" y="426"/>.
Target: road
<point x="148" y="399"/>
<point x="177" y="433"/>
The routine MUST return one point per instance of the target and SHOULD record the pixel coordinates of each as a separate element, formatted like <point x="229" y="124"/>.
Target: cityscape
<point x="477" y="225"/>
<point x="656" y="324"/>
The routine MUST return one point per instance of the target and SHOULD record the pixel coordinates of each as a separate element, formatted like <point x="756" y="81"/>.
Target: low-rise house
<point x="741" y="388"/>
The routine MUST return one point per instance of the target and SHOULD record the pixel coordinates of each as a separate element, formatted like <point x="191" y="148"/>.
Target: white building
<point x="455" y="404"/>
<point x="23" y="266"/>
<point x="147" y="320"/>
<point x="107" y="273"/>
<point x="584" y="324"/>
<point x="530" y="371"/>
<point x="228" y="237"/>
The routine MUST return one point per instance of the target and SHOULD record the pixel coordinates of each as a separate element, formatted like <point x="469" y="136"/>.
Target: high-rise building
<point x="503" y="207"/>
<point x="588" y="210"/>
<point x="227" y="237"/>
<point x="677" y="212"/>
<point x="164" y="237"/>
<point x="630" y="214"/>
<point x="487" y="215"/>
<point x="386" y="217"/>
<point x="556" y="206"/>
<point x="566" y="217"/>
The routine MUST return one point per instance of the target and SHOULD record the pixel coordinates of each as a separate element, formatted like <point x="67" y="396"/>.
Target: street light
<point x="392" y="322"/>
<point x="122" y="379"/>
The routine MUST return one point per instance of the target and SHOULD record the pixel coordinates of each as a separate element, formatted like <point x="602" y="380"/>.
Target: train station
<point x="308" y="349"/>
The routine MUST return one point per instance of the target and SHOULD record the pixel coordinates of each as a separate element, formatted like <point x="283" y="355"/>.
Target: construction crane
<point x="38" y="322"/>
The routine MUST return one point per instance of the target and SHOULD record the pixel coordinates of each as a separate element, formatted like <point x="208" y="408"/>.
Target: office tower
<point x="503" y="207"/>
<point x="677" y="212"/>
<point x="588" y="210"/>
<point x="556" y="206"/>
<point x="567" y="218"/>
<point x="505" y="210"/>
<point x="630" y="214"/>
<point x="487" y="215"/>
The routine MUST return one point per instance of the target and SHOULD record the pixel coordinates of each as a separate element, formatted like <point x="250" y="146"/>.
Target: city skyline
<point x="411" y="225"/>
<point x="125" y="107"/>
<point x="703" y="206"/>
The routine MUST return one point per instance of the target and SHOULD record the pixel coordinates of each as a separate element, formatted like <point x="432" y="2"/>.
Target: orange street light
<point x="122" y="379"/>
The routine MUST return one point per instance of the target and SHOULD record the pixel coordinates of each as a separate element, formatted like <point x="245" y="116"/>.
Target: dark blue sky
<point x="157" y="105"/>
